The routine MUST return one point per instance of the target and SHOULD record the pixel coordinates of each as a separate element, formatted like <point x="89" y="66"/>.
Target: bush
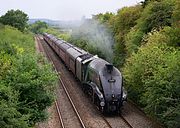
<point x="10" y="116"/>
<point x="152" y="78"/>
<point x="21" y="76"/>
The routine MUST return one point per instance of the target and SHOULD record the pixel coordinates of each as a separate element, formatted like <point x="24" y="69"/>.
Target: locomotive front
<point x="109" y="85"/>
<point x="112" y="83"/>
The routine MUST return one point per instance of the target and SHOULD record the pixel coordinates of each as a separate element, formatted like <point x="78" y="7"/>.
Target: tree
<point x="120" y="25"/>
<point x="156" y="15"/>
<point x="103" y="18"/>
<point x="152" y="76"/>
<point x="15" y="18"/>
<point x="38" y="27"/>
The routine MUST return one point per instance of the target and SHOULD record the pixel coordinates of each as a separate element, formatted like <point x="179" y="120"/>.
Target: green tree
<point x="133" y="40"/>
<point x="155" y="15"/>
<point x="120" y="25"/>
<point x="15" y="18"/>
<point x="38" y="27"/>
<point x="152" y="77"/>
<point x="103" y="18"/>
<point x="146" y="2"/>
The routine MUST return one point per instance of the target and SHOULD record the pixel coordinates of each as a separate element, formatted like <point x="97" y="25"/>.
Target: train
<point x="99" y="78"/>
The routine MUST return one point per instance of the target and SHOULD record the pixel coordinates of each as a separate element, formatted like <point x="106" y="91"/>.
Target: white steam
<point x="97" y="35"/>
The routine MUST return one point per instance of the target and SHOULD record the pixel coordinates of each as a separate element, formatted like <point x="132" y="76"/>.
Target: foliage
<point x="26" y="86"/>
<point x="176" y="12"/>
<point x="38" y="27"/>
<point x="15" y="18"/>
<point x="133" y="40"/>
<point x="146" y="2"/>
<point x="10" y="116"/>
<point x="152" y="78"/>
<point x="120" y="25"/>
<point x="174" y="35"/>
<point x="125" y="19"/>
<point x="152" y="68"/>
<point x="155" y="15"/>
<point x="103" y="18"/>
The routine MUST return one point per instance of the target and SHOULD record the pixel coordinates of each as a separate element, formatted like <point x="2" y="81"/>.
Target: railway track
<point x="108" y="124"/>
<point x="66" y="92"/>
<point x="82" y="124"/>
<point x="59" y="114"/>
<point x="126" y="122"/>
<point x="128" y="125"/>
<point x="40" y="49"/>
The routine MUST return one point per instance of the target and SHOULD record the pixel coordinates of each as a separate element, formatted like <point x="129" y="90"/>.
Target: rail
<point x="127" y="123"/>
<point x="65" y="89"/>
<point x="108" y="124"/>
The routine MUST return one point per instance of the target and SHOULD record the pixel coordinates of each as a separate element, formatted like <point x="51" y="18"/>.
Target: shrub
<point x="21" y="76"/>
<point x="152" y="78"/>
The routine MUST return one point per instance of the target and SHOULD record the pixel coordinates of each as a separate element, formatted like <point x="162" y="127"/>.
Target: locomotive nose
<point x="112" y="83"/>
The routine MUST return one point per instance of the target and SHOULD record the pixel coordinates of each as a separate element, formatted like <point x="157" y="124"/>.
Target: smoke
<point x="96" y="35"/>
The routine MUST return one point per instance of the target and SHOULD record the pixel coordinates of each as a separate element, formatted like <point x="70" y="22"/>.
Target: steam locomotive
<point x="100" y="79"/>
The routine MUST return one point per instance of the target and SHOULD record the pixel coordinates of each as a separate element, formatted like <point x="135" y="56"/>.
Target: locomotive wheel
<point x="97" y="103"/>
<point x="89" y="91"/>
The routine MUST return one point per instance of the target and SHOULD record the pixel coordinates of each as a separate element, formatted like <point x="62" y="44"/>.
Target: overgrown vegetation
<point x="26" y="80"/>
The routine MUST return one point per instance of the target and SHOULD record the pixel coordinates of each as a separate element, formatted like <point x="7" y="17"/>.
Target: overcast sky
<point x="64" y="9"/>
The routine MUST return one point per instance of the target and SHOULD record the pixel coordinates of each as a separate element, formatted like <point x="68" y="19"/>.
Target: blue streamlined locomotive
<point x="101" y="80"/>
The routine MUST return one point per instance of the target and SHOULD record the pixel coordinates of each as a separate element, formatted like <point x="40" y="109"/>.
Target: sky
<point x="64" y="9"/>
